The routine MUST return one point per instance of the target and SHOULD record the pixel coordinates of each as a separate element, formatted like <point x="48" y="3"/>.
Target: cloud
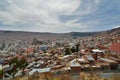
<point x="58" y="15"/>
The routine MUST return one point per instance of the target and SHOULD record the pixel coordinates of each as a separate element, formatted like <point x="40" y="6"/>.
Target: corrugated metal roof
<point x="74" y="63"/>
<point x="90" y="58"/>
<point x="39" y="70"/>
<point x="107" y="60"/>
<point x="97" y="50"/>
<point x="2" y="61"/>
<point x="43" y="70"/>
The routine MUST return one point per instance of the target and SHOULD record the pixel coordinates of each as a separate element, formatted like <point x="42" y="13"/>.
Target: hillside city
<point x="99" y="53"/>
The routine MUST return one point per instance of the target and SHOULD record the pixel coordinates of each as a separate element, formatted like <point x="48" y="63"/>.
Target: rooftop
<point x="115" y="47"/>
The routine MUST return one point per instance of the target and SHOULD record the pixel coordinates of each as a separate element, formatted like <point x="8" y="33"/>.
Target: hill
<point x="113" y="33"/>
<point x="28" y="36"/>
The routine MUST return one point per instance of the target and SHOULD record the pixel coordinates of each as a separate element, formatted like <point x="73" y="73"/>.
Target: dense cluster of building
<point x="96" y="53"/>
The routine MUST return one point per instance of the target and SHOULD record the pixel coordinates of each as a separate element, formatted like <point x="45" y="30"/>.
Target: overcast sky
<point x="59" y="15"/>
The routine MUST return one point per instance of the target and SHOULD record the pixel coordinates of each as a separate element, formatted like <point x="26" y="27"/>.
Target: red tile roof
<point x="115" y="47"/>
<point x="101" y="47"/>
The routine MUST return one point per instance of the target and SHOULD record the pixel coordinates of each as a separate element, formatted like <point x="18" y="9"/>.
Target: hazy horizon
<point x="59" y="16"/>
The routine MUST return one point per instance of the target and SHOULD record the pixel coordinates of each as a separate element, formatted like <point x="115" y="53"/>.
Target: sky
<point x="59" y="16"/>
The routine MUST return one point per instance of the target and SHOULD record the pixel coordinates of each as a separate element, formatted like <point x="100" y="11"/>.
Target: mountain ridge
<point x="28" y="36"/>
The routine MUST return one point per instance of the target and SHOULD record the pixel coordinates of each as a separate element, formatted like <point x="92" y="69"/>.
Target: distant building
<point x="43" y="47"/>
<point x="75" y="66"/>
<point x="115" y="47"/>
<point x="43" y="70"/>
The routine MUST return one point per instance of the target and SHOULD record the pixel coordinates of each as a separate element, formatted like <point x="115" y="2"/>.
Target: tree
<point x="67" y="51"/>
<point x="77" y="47"/>
<point x="36" y="41"/>
<point x="17" y="65"/>
<point x="2" y="45"/>
<point x="58" y="44"/>
<point x="73" y="49"/>
<point x="1" y="73"/>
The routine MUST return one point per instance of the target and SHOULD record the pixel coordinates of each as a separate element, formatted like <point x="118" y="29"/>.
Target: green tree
<point x="37" y="42"/>
<point x="67" y="51"/>
<point x="3" y="45"/>
<point x="77" y="47"/>
<point x="1" y="73"/>
<point x="73" y="49"/>
<point x="17" y="65"/>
